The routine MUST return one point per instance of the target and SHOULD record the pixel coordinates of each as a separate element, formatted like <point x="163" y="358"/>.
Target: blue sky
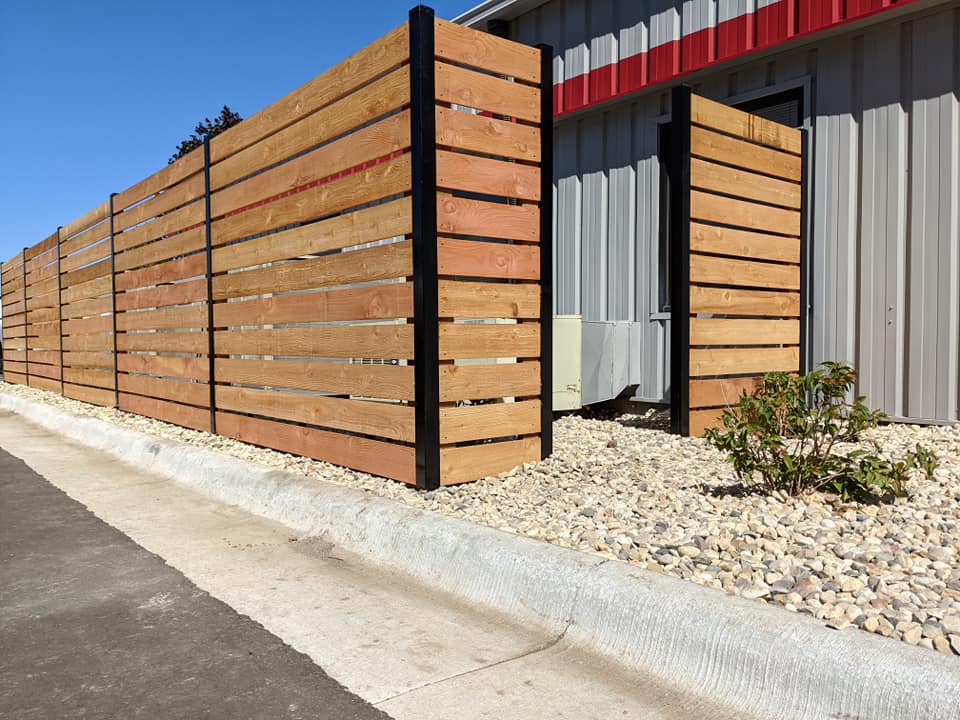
<point x="95" y="95"/>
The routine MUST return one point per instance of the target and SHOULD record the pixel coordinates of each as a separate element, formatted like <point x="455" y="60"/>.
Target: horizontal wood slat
<point x="190" y="291"/>
<point x="84" y="274"/>
<point x="739" y="361"/>
<point x="43" y="383"/>
<point x="48" y="357"/>
<point x="101" y="378"/>
<point x="182" y="342"/>
<point x="183" y="218"/>
<point x="84" y="326"/>
<point x="378" y="182"/>
<point x="190" y="316"/>
<point x="87" y="290"/>
<point x="174" y="413"/>
<point x="475" y="258"/>
<point x="700" y="420"/>
<point x="484" y="382"/>
<point x="743" y="273"/>
<point x="382" y="262"/>
<point x="172" y="247"/>
<point x="181" y="268"/>
<point x="480" y="422"/>
<point x="731" y="301"/>
<point x="743" y="243"/>
<point x="92" y="254"/>
<point x="488" y="300"/>
<point x="351" y="341"/>
<point x="469" y="173"/>
<point x="369" y="143"/>
<point x="379" y="381"/>
<point x="87" y="343"/>
<point x="386" y="420"/>
<point x="721" y="391"/>
<point x="708" y="207"/>
<point x="460" y="86"/>
<point x="182" y="367"/>
<point x="39" y="315"/>
<point x="95" y="396"/>
<point x="744" y="184"/>
<point x="48" y="372"/>
<point x="182" y="193"/>
<point x="735" y="331"/>
<point x="95" y="235"/>
<point x="84" y="308"/>
<point x="460" y="216"/>
<point x="733" y="121"/>
<point x="466" y="46"/>
<point x="367" y="455"/>
<point x="460" y="341"/>
<point x="380" y="222"/>
<point x="472" y="462"/>
<point x="374" y="302"/>
<point x="742" y="154"/>
<point x="182" y="391"/>
<point x="465" y="131"/>
<point x="88" y="360"/>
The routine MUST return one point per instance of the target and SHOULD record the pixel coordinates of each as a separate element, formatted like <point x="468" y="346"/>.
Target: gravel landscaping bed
<point x="621" y="486"/>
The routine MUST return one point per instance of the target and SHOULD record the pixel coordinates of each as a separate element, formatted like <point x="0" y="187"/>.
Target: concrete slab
<point x="588" y="688"/>
<point x="93" y="626"/>
<point x="411" y="651"/>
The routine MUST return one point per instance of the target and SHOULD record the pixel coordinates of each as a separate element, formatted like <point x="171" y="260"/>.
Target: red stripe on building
<point x="698" y="49"/>
<point x="769" y="26"/>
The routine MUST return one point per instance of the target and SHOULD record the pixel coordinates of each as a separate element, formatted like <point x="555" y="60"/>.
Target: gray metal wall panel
<point x="594" y="233"/>
<point x="885" y="265"/>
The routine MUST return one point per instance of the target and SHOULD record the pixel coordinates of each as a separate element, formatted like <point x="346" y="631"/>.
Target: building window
<point x="784" y="107"/>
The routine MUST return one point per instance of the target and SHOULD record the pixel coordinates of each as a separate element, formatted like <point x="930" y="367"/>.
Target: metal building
<point x="877" y="85"/>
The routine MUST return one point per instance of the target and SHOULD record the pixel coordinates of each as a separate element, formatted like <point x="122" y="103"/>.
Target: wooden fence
<point x="738" y="284"/>
<point x="358" y="273"/>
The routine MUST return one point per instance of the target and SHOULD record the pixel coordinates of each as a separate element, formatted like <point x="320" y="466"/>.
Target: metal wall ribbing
<point x="883" y="104"/>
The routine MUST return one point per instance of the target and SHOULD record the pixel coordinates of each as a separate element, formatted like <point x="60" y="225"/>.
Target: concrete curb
<point x="761" y="660"/>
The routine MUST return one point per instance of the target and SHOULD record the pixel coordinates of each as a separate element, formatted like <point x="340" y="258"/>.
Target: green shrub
<point x="777" y="441"/>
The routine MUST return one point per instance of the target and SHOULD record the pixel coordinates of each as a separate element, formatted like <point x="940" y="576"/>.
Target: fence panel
<point x="353" y="274"/>
<point x="13" y="287"/>
<point x="311" y="220"/>
<point x="737" y="256"/>
<point x="42" y="298"/>
<point x="161" y="295"/>
<point x="86" y="296"/>
<point x="492" y="200"/>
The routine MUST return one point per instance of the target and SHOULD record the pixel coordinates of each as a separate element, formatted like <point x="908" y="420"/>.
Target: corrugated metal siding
<point x="885" y="181"/>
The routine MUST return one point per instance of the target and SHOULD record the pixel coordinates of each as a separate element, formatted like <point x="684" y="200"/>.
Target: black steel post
<point x="426" y="330"/>
<point x="804" y="252"/>
<point x="26" y="324"/>
<point x="113" y="308"/>
<point x="209" y="237"/>
<point x="680" y="261"/>
<point x="60" y="308"/>
<point x="546" y="250"/>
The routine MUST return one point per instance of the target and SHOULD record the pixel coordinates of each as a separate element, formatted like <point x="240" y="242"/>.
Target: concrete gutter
<point x="760" y="660"/>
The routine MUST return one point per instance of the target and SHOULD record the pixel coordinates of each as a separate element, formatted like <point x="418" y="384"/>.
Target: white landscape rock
<point x="625" y="488"/>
